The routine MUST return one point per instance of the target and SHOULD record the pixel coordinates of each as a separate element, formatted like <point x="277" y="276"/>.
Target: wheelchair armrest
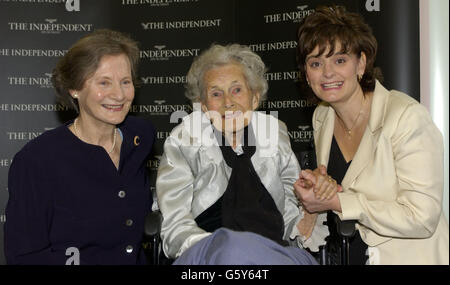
<point x="307" y="159"/>
<point x="153" y="223"/>
<point x="346" y="228"/>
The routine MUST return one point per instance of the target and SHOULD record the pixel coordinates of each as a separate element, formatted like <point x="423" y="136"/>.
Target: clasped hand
<point x="316" y="190"/>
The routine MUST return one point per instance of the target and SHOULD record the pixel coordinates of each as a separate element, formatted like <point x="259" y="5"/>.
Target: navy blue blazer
<point x="65" y="193"/>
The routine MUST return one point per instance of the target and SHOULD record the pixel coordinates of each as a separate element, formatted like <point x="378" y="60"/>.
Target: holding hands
<point x="316" y="190"/>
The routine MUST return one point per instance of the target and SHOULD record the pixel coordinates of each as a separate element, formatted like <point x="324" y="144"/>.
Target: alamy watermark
<point x="196" y="127"/>
<point x="74" y="256"/>
<point x="73" y="5"/>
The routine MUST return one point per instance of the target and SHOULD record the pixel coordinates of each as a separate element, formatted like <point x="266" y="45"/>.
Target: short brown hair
<point x="330" y="25"/>
<point x="83" y="58"/>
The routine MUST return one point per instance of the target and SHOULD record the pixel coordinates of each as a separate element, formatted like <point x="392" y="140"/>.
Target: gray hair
<point x="217" y="55"/>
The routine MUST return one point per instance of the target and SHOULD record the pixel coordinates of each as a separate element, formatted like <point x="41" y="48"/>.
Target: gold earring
<point x="359" y="77"/>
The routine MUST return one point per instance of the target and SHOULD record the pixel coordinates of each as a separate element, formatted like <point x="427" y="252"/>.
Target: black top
<point x="337" y="167"/>
<point x="246" y="204"/>
<point x="65" y="193"/>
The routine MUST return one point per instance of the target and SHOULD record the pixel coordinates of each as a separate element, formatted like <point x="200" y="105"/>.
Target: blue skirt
<point x="227" y="247"/>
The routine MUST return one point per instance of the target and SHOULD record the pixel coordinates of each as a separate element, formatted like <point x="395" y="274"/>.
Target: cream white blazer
<point x="394" y="185"/>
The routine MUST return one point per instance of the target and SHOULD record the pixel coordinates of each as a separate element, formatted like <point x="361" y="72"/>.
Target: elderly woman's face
<point x="107" y="95"/>
<point x="334" y="79"/>
<point x="228" y="101"/>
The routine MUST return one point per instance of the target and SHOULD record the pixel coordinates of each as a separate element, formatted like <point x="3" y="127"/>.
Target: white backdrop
<point x="434" y="71"/>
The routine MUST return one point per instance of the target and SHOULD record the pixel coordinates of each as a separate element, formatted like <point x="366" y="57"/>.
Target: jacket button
<point x="129" y="249"/>
<point x="122" y="194"/>
<point x="129" y="222"/>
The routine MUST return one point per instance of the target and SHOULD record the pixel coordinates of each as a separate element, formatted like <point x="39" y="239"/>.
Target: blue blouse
<point x="65" y="195"/>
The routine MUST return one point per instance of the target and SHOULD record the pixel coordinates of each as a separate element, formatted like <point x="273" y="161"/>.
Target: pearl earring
<point x="75" y="96"/>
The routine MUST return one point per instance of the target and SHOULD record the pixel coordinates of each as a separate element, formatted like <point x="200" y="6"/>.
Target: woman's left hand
<point x="325" y="187"/>
<point x="304" y="190"/>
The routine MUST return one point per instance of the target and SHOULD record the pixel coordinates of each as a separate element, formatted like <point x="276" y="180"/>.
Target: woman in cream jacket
<point x="382" y="146"/>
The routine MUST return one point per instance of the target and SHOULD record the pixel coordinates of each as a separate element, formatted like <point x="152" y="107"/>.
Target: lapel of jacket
<point x="369" y="141"/>
<point x="324" y="130"/>
<point x="266" y="132"/>
<point x="368" y="145"/>
<point x="200" y="134"/>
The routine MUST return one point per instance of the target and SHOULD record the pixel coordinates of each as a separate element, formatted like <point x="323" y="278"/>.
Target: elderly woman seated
<point x="225" y="181"/>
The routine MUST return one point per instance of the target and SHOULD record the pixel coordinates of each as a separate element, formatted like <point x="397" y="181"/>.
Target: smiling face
<point x="107" y="95"/>
<point x="228" y="101"/>
<point x="334" y="78"/>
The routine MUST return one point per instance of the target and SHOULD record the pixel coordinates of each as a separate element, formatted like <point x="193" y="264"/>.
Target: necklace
<point x="114" y="139"/>
<point x="348" y="131"/>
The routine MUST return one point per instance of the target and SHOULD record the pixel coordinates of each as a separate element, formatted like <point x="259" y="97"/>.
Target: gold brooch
<point x="137" y="140"/>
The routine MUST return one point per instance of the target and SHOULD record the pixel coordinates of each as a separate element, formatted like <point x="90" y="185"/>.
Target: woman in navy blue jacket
<point x="79" y="194"/>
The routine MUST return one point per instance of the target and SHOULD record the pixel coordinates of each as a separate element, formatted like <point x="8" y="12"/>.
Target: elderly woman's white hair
<point x="253" y="69"/>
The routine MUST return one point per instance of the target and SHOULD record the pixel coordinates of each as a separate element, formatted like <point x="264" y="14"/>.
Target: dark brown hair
<point x="328" y="26"/>
<point x="83" y="58"/>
